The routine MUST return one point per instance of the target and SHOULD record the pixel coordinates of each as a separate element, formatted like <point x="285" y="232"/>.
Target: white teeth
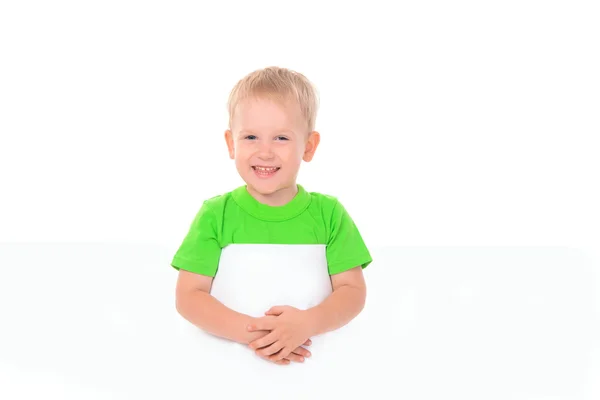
<point x="264" y="169"/>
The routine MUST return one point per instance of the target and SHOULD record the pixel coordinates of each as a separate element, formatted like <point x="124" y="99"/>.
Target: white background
<point x="466" y="127"/>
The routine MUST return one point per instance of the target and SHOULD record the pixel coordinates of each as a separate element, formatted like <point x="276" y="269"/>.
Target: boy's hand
<point x="297" y="355"/>
<point x="290" y="328"/>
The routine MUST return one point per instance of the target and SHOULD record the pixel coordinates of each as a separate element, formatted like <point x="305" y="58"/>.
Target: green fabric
<point x="238" y="218"/>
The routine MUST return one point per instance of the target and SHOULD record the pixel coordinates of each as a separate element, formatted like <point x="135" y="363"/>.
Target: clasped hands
<point x="286" y="330"/>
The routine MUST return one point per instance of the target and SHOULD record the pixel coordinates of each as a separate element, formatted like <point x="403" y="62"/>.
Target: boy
<point x="272" y="115"/>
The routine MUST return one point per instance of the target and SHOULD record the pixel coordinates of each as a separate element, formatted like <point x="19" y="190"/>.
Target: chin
<point x="265" y="187"/>
<point x="265" y="190"/>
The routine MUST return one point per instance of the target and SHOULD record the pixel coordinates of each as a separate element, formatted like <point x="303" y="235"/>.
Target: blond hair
<point x="280" y="85"/>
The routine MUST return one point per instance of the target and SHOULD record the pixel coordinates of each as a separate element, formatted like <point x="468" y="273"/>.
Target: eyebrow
<point x="246" y="131"/>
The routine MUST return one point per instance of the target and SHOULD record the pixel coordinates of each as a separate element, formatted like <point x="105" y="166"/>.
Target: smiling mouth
<point x="265" y="172"/>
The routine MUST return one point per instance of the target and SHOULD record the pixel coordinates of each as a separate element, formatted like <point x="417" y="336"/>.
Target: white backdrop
<point x="461" y="126"/>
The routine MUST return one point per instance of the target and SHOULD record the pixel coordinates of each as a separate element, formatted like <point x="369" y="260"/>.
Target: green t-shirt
<point x="238" y="218"/>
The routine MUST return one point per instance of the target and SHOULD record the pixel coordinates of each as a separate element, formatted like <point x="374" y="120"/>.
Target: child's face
<point x="268" y="142"/>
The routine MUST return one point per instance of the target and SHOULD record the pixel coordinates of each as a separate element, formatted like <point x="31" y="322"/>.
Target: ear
<point x="314" y="138"/>
<point x="229" y="141"/>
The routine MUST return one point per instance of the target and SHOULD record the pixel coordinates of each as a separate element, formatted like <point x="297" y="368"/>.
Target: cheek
<point x="242" y="151"/>
<point x="289" y="155"/>
<point x="241" y="159"/>
<point x="294" y="152"/>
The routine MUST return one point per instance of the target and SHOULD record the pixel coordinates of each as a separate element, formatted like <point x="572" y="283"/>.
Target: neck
<point x="278" y="198"/>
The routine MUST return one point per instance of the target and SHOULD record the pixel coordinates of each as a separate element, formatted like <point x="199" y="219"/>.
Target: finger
<point x="262" y="324"/>
<point x="272" y="349"/>
<point x="283" y="361"/>
<point x="281" y="354"/>
<point x="308" y="342"/>
<point x="301" y="351"/>
<point x="264" y="341"/>
<point x="275" y="310"/>
<point x="294" y="357"/>
<point x="253" y="336"/>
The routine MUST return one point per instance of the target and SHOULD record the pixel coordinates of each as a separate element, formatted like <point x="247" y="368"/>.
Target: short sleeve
<point x="346" y="248"/>
<point x="200" y="250"/>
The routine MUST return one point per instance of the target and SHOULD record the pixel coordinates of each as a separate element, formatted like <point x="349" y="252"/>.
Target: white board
<point x="252" y="278"/>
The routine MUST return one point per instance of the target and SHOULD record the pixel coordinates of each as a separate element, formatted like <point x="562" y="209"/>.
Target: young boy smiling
<point x="272" y="114"/>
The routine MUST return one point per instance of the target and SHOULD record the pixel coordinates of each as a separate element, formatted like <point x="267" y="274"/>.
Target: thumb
<point x="276" y="310"/>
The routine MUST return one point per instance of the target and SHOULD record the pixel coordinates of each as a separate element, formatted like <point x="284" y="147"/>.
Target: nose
<point x="265" y="150"/>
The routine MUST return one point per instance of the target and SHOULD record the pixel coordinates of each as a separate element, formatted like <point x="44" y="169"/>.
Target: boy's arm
<point x="195" y="303"/>
<point x="291" y="326"/>
<point x="341" y="306"/>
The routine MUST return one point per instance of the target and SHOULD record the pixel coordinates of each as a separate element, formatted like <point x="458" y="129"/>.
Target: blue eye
<point x="282" y="138"/>
<point x="250" y="137"/>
